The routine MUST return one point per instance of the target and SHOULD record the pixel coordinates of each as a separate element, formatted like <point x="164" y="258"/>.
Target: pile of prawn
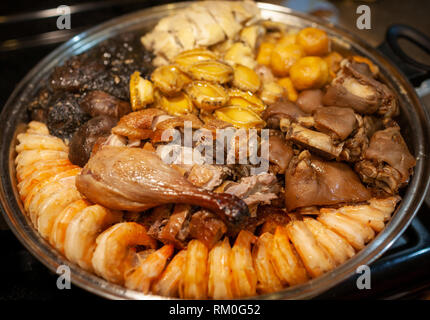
<point x="104" y="242"/>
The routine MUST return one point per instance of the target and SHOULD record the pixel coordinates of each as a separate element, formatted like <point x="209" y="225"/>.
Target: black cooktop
<point x="25" y="39"/>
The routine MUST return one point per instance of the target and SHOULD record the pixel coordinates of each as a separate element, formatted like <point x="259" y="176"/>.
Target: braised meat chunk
<point x="311" y="181"/>
<point x="387" y="162"/>
<point x="310" y="100"/>
<point x="206" y="227"/>
<point x="255" y="190"/>
<point x="282" y="109"/>
<point x="280" y="153"/>
<point x="335" y="121"/>
<point x="208" y="176"/>
<point x="176" y="228"/>
<point x="353" y="89"/>
<point x="182" y="224"/>
<point x="320" y="143"/>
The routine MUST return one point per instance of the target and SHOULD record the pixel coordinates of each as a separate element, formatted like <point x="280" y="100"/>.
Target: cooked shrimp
<point x="142" y="277"/>
<point x="82" y="232"/>
<point x="26" y="158"/>
<point x="386" y="205"/>
<point x="286" y="262"/>
<point x="113" y="252"/>
<point x="37" y="141"/>
<point x="315" y="258"/>
<point x="37" y="127"/>
<point x="220" y="278"/>
<point x="365" y="214"/>
<point x="58" y="233"/>
<point x="49" y="207"/>
<point x="40" y="177"/>
<point x="167" y="284"/>
<point x="45" y="190"/>
<point x="356" y="233"/>
<point x="40" y="166"/>
<point x="268" y="281"/>
<point x="243" y="273"/>
<point x="338" y="248"/>
<point x="194" y="281"/>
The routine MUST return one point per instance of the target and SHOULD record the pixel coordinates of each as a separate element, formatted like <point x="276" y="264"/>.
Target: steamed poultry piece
<point x="123" y="178"/>
<point x="202" y="24"/>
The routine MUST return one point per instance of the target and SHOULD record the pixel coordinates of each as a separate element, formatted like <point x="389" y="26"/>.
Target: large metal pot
<point x="414" y="121"/>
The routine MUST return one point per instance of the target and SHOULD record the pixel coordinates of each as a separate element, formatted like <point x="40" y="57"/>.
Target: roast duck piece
<point x="134" y="179"/>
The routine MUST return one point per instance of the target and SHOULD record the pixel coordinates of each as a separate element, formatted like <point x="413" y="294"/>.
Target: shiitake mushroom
<point x="85" y="137"/>
<point x="97" y="103"/>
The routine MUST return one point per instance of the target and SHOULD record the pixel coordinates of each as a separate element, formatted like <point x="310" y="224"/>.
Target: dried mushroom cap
<point x="245" y="78"/>
<point x="206" y="95"/>
<point x="240" y="117"/>
<point x="211" y="70"/>
<point x="169" y="79"/>
<point x="246" y="99"/>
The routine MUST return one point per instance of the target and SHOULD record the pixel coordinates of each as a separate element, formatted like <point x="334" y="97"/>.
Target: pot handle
<point x="416" y="71"/>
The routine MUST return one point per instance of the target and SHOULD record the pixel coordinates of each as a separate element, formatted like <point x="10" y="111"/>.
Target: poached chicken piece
<point x="201" y="24"/>
<point x="133" y="179"/>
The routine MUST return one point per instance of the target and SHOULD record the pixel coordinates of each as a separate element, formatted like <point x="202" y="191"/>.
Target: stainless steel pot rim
<point x="410" y="204"/>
